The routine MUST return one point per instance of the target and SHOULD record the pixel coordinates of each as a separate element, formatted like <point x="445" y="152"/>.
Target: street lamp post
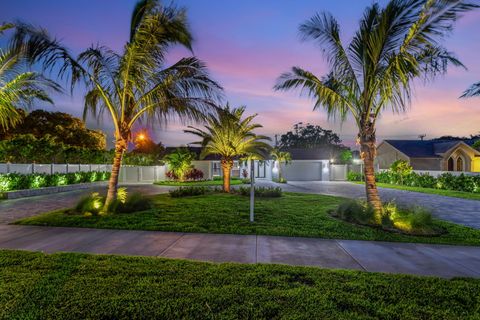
<point x="252" y="189"/>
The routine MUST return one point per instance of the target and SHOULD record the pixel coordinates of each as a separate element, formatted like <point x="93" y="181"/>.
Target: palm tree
<point x="392" y="47"/>
<point x="281" y="157"/>
<point x="19" y="88"/>
<point x="228" y="135"/>
<point x="473" y="91"/>
<point x="135" y="84"/>
<point x="180" y="162"/>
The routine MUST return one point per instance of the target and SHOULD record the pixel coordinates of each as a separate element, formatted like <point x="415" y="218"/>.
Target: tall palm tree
<point x="473" y="91"/>
<point x="19" y="88"/>
<point x="281" y="157"/>
<point x="392" y="47"/>
<point x="135" y="84"/>
<point x="228" y="135"/>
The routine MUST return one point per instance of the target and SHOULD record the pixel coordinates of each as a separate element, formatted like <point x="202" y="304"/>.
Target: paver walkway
<point x="408" y="258"/>
<point x="461" y="211"/>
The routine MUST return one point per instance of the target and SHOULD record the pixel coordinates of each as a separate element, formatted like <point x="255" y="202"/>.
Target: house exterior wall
<point x="386" y="155"/>
<point x="472" y="164"/>
<point x="426" y="163"/>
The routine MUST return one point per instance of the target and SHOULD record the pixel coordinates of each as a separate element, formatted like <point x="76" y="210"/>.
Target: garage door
<point x="303" y="171"/>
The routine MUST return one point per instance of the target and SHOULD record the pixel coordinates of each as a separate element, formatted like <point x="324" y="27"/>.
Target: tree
<point x="135" y="85"/>
<point x="473" y="91"/>
<point x="308" y="136"/>
<point x="63" y="127"/>
<point x="346" y="156"/>
<point x="19" y="88"/>
<point x="229" y="136"/>
<point x="281" y="157"/>
<point x="392" y="47"/>
<point x="180" y="162"/>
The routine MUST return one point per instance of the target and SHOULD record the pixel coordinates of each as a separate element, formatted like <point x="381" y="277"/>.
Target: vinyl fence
<point x="128" y="174"/>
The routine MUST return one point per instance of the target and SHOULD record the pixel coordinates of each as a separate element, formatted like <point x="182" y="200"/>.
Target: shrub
<point x="134" y="203"/>
<point x="180" y="162"/>
<point x="417" y="220"/>
<point x="16" y="181"/>
<point x="354" y="176"/>
<point x="90" y="205"/>
<point x="262" y="192"/>
<point x="355" y="211"/>
<point x="189" y="191"/>
<point x="194" y="175"/>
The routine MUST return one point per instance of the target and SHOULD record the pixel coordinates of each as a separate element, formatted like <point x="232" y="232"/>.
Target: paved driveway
<point x="16" y="209"/>
<point x="462" y="211"/>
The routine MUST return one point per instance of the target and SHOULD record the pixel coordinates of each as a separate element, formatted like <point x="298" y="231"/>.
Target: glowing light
<point x="141" y="136"/>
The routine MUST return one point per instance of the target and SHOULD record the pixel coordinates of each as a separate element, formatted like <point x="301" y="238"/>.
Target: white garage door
<point x="303" y="171"/>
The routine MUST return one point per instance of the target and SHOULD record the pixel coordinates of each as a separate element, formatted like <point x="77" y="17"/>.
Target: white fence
<point x="128" y="174"/>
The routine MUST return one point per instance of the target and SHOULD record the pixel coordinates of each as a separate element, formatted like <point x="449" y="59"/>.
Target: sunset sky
<point x="247" y="44"/>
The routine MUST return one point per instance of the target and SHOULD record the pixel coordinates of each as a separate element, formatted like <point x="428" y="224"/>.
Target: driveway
<point x="461" y="211"/>
<point x="16" y="209"/>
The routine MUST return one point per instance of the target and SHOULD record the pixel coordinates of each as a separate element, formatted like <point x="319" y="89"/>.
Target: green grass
<point x="294" y="214"/>
<point x="80" y="286"/>
<point x="197" y="183"/>
<point x="440" y="192"/>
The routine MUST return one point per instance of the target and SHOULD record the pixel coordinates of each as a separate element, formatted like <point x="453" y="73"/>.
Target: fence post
<point x="8" y="167"/>
<point x="33" y="167"/>
<point x="51" y="168"/>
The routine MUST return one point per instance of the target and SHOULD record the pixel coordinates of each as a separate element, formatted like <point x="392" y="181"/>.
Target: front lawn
<point x="197" y="183"/>
<point x="80" y="286"/>
<point x="294" y="214"/>
<point x="440" y="192"/>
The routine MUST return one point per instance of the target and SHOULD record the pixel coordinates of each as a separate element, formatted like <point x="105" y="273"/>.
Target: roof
<point x="426" y="148"/>
<point x="310" y="154"/>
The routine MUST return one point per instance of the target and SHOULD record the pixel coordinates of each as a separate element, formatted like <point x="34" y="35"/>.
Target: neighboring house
<point x="306" y="165"/>
<point x="432" y="155"/>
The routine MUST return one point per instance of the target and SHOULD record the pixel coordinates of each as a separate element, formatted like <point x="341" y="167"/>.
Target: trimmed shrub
<point x="445" y="181"/>
<point x="262" y="192"/>
<point x="189" y="191"/>
<point x="355" y="211"/>
<point x="16" y="181"/>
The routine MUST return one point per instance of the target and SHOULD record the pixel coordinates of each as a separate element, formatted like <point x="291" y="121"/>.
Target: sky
<point x="247" y="44"/>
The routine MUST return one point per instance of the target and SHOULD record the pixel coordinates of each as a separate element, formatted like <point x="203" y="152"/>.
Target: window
<point x="460" y="164"/>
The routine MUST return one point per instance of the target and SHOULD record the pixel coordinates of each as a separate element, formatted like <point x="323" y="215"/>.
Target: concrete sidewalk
<point x="408" y="258"/>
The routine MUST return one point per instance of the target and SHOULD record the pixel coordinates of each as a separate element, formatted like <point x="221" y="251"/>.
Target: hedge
<point x="445" y="181"/>
<point x="16" y="181"/>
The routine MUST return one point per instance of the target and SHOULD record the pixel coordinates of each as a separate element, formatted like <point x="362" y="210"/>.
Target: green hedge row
<point x="16" y="181"/>
<point x="445" y="181"/>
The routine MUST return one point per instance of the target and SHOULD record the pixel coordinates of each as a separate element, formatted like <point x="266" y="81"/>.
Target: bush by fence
<point x="16" y="181"/>
<point x="445" y="181"/>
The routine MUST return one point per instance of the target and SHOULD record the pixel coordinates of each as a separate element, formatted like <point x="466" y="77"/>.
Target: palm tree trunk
<point x="120" y="147"/>
<point x="368" y="153"/>
<point x="226" y="169"/>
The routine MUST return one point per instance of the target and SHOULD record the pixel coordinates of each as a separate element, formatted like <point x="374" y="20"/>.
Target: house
<point x="431" y="155"/>
<point x="306" y="165"/>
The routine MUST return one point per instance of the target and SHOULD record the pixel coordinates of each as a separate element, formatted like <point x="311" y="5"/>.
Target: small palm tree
<point x="19" y="88"/>
<point x="473" y="91"/>
<point x="281" y="157"/>
<point x="392" y="47"/>
<point x="135" y="84"/>
<point x="228" y="135"/>
<point x="179" y="162"/>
